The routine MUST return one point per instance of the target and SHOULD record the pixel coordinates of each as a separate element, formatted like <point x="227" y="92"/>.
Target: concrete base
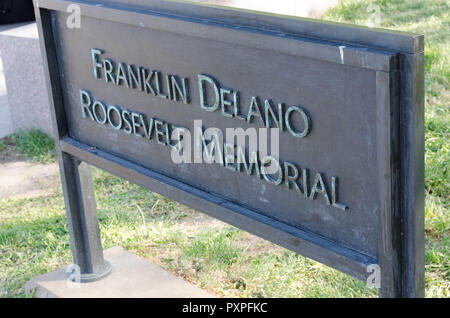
<point x="132" y="276"/>
<point x="27" y="104"/>
<point x="6" y="125"/>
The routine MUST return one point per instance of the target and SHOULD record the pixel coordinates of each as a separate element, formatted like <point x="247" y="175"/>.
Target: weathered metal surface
<point x="348" y="188"/>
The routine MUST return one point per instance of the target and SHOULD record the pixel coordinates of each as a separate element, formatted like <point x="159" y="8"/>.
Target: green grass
<point x="221" y="259"/>
<point x="34" y="239"/>
<point x="34" y="145"/>
<point x="430" y="17"/>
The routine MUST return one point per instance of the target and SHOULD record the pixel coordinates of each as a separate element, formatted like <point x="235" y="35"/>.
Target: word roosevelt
<point x="167" y="134"/>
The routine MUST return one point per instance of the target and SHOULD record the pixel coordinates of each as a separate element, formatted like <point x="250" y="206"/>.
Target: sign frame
<point x="398" y="59"/>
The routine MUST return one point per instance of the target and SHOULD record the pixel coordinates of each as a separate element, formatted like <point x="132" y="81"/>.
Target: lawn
<point x="226" y="261"/>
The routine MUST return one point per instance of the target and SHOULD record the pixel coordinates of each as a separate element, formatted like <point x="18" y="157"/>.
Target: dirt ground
<point x="19" y="178"/>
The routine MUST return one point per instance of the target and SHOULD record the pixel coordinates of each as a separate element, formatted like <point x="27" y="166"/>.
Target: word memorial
<point x="185" y="99"/>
